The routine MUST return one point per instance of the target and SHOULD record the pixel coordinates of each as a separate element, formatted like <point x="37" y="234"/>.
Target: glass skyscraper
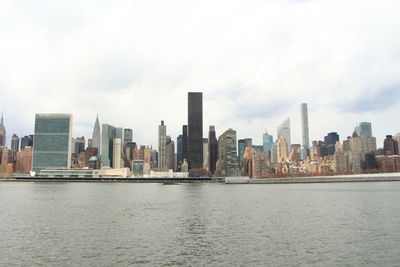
<point x="268" y="141"/>
<point x="108" y="134"/>
<point x="52" y="141"/>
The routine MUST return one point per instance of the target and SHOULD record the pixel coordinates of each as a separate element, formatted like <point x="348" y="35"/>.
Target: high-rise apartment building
<point x="284" y="130"/>
<point x="162" y="146"/>
<point x="304" y="126"/>
<point x="227" y="153"/>
<point x="195" y="130"/>
<point x="52" y="141"/>
<point x="96" y="136"/>
<point x="2" y="132"/>
<point x="212" y="149"/>
<point x="268" y="140"/>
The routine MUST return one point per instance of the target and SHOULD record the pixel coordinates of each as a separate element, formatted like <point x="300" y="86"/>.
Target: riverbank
<point x="380" y="177"/>
<point x="354" y="178"/>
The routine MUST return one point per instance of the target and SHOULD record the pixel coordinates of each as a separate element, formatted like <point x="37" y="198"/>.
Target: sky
<point x="133" y="62"/>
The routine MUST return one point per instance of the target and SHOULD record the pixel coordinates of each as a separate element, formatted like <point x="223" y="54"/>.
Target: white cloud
<point x="133" y="62"/>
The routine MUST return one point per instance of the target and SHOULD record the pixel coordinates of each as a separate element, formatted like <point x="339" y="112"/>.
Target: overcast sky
<point x="133" y="62"/>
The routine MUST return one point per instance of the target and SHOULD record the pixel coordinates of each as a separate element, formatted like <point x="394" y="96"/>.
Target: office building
<point x="162" y="146"/>
<point x="109" y="133"/>
<point x="128" y="136"/>
<point x="195" y="130"/>
<point x="284" y="130"/>
<point x="27" y="140"/>
<point x="96" y="136"/>
<point x="267" y="142"/>
<point x="212" y="149"/>
<point x="182" y="146"/>
<point x="282" y="149"/>
<point x="14" y="145"/>
<point x="117" y="153"/>
<point x="170" y="154"/>
<point x="364" y="128"/>
<point x="52" y="142"/>
<point x="330" y="141"/>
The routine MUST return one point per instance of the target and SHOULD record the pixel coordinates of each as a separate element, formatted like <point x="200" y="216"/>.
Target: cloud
<point x="133" y="62"/>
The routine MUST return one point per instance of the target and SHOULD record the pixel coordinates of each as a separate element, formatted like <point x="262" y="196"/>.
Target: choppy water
<point x="101" y="224"/>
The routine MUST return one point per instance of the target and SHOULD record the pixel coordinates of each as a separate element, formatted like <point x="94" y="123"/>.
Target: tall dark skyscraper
<point x="195" y="130"/>
<point x="212" y="149"/>
<point x="27" y="140"/>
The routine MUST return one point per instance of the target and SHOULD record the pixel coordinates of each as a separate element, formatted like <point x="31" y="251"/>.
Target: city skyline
<point x="341" y="59"/>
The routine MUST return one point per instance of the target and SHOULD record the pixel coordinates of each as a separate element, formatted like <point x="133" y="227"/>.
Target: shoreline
<point x="380" y="177"/>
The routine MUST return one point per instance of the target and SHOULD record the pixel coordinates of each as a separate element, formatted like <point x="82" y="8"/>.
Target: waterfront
<point x="103" y="224"/>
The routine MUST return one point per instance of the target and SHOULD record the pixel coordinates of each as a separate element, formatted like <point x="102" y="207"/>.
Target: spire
<point x="2" y="120"/>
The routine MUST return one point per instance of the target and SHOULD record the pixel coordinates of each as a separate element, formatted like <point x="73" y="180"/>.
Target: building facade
<point x="96" y="135"/>
<point x="52" y="141"/>
<point x="195" y="130"/>
<point x="212" y="149"/>
<point x="2" y="132"/>
<point x="227" y="153"/>
<point x="162" y="146"/>
<point x="284" y="130"/>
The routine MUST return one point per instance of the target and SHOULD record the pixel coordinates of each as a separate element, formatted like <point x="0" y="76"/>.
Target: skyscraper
<point x="330" y="141"/>
<point x="14" y="145"/>
<point x="117" y="152"/>
<point x="195" y="130"/>
<point x="212" y="149"/>
<point x="128" y="136"/>
<point x="2" y="132"/>
<point x="364" y="128"/>
<point x="108" y="134"/>
<point x="227" y="153"/>
<point x="181" y="146"/>
<point x="27" y="140"/>
<point x="162" y="145"/>
<point x="304" y="130"/>
<point x="52" y="141"/>
<point x="282" y="149"/>
<point x="390" y="146"/>
<point x="96" y="136"/>
<point x="284" y="130"/>
<point x="170" y="154"/>
<point x="242" y="144"/>
<point x="268" y="141"/>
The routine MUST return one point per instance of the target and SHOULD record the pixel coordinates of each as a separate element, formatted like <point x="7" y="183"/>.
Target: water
<point x="102" y="224"/>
